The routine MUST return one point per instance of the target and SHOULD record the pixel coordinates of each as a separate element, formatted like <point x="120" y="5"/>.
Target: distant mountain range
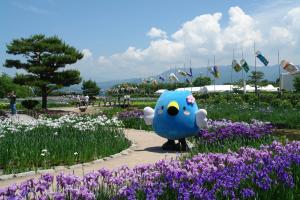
<point x="271" y="74"/>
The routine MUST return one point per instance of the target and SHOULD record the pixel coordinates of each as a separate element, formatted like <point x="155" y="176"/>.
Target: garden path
<point x="90" y="109"/>
<point x="148" y="150"/>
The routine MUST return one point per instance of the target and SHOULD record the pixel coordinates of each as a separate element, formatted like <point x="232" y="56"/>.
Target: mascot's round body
<point x="175" y="117"/>
<point x="178" y="126"/>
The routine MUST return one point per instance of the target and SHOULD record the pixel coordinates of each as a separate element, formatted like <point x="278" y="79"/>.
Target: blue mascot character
<point x="175" y="117"/>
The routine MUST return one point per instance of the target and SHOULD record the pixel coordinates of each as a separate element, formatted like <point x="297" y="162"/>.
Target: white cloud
<point x="103" y="61"/>
<point x="241" y="29"/>
<point x="30" y="8"/>
<point x="157" y="33"/>
<point x="201" y="34"/>
<point x="201" y="38"/>
<point x="281" y="35"/>
<point x="86" y="53"/>
<point x="293" y="17"/>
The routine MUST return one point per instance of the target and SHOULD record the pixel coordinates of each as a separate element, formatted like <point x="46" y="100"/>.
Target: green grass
<point x="22" y="151"/>
<point x="112" y="111"/>
<point x="143" y="104"/>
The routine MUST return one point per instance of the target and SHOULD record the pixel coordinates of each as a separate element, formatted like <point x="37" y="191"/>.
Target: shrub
<point x="29" y="104"/>
<point x="4" y="106"/>
<point x="286" y="104"/>
<point x="251" y="98"/>
<point x="201" y="102"/>
<point x="297" y="106"/>
<point x="263" y="104"/>
<point x="237" y="99"/>
<point x="276" y="102"/>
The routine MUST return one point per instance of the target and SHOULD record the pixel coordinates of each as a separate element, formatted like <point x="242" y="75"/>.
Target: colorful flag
<point x="173" y="77"/>
<point x="290" y="67"/>
<point x="262" y="58"/>
<point x="190" y="74"/>
<point x="154" y="82"/>
<point x="209" y="69"/>
<point x="182" y="73"/>
<point x="236" y="66"/>
<point x="215" y="71"/>
<point x="161" y="78"/>
<point x="244" y="65"/>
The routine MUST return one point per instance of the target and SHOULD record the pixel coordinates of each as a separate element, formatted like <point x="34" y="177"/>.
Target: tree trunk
<point x="44" y="97"/>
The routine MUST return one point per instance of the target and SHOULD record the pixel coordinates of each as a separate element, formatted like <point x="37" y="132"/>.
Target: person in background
<point x="78" y="101"/>
<point x="86" y="98"/>
<point x="12" y="102"/>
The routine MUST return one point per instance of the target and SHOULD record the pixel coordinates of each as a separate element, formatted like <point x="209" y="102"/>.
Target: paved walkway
<point x="148" y="150"/>
<point x="90" y="109"/>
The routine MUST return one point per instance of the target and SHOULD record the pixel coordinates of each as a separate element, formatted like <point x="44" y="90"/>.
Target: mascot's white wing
<point x="201" y="119"/>
<point x="148" y="115"/>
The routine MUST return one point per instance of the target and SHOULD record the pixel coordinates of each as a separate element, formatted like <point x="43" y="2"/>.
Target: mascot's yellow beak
<point x="173" y="108"/>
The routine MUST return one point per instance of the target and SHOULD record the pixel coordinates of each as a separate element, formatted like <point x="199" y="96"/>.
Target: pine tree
<point x="43" y="59"/>
<point x="256" y="77"/>
<point x="90" y="88"/>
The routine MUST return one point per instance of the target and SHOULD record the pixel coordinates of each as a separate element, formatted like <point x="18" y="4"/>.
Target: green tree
<point x="7" y="85"/>
<point x="90" y="88"/>
<point x="239" y="83"/>
<point x="43" y="59"/>
<point x="297" y="83"/>
<point x="258" y="76"/>
<point x="264" y="82"/>
<point x="202" y="81"/>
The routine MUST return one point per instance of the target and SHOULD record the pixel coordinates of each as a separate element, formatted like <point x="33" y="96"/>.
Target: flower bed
<point x="266" y="173"/>
<point x="130" y="114"/>
<point x="66" y="140"/>
<point x="220" y="130"/>
<point x="224" y="135"/>
<point x="133" y="119"/>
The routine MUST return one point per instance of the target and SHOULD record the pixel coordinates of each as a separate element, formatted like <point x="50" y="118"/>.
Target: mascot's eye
<point x="162" y="107"/>
<point x="184" y="108"/>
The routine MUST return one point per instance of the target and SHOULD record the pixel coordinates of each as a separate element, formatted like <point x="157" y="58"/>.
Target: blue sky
<point x="107" y="28"/>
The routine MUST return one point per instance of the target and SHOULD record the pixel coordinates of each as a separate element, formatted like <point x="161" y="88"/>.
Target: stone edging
<point x="127" y="151"/>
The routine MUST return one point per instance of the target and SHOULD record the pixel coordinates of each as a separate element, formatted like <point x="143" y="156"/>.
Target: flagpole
<point x="244" y="89"/>
<point x="279" y="81"/>
<point x="191" y="70"/>
<point x="175" y="80"/>
<point x="214" y="76"/>
<point x="255" y="81"/>
<point x="231" y="71"/>
<point x="191" y="75"/>
<point x="207" y="67"/>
